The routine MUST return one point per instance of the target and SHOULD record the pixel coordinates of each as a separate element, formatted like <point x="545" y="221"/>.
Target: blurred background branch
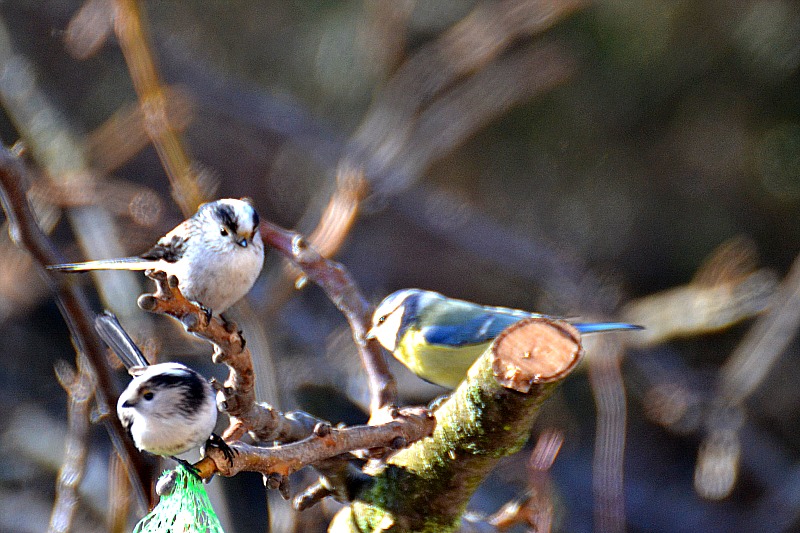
<point x="80" y="389"/>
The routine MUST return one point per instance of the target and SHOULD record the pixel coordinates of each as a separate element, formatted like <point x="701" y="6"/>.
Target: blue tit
<point x="438" y="338"/>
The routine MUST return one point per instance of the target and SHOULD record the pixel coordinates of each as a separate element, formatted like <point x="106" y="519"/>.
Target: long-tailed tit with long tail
<point x="168" y="408"/>
<point x="216" y="254"/>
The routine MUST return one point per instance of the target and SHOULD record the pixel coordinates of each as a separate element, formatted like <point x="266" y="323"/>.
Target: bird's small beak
<point x="370" y="334"/>
<point x="242" y="243"/>
<point x="128" y="403"/>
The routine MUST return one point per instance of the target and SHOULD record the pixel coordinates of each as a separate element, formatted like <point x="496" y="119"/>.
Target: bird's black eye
<point x="148" y="395"/>
<point x="223" y="231"/>
<point x="382" y="319"/>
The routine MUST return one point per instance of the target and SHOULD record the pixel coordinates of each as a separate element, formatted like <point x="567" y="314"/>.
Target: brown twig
<point x="534" y="509"/>
<point x="337" y="219"/>
<point x="408" y="425"/>
<point x="126" y="132"/>
<point x="131" y="32"/>
<point x="744" y="371"/>
<point x="80" y="390"/>
<point x="340" y="287"/>
<point x="118" y="497"/>
<point x="74" y="308"/>
<point x="263" y="422"/>
<point x="237" y="395"/>
<point x="726" y="289"/>
<point x="339" y="479"/>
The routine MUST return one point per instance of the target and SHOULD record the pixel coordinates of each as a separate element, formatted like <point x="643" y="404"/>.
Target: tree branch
<point x="75" y="310"/>
<point x="426" y="486"/>
<point x="340" y="287"/>
<point x="408" y="425"/>
<point x="236" y="396"/>
<point x="131" y="31"/>
<point x="80" y="390"/>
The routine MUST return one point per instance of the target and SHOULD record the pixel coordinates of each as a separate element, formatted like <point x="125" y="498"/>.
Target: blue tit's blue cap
<point x="395" y="300"/>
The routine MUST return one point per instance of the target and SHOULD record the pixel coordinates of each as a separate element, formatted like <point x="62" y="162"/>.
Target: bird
<point x="216" y="254"/>
<point x="167" y="409"/>
<point x="438" y="338"/>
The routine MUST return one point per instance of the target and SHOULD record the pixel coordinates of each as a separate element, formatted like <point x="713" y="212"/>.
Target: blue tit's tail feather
<point x="111" y="331"/>
<point x="123" y="263"/>
<point x="602" y="327"/>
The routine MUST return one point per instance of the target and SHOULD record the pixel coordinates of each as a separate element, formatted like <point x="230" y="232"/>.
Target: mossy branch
<point x="426" y="486"/>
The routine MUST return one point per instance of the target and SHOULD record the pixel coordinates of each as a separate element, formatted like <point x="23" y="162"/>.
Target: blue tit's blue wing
<point x="479" y="329"/>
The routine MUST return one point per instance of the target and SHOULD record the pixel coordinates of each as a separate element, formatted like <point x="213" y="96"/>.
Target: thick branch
<point x="74" y="308"/>
<point x="340" y="287"/>
<point x="426" y="487"/>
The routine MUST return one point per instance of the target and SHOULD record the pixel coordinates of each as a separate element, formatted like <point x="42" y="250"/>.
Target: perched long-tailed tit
<point x="216" y="254"/>
<point x="168" y="408"/>
<point x="438" y="338"/>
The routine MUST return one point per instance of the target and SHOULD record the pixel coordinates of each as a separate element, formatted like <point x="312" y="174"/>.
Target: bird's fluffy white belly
<point x="161" y="438"/>
<point x="220" y="281"/>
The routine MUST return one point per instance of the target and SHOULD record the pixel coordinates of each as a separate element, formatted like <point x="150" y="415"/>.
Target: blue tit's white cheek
<point x="386" y="332"/>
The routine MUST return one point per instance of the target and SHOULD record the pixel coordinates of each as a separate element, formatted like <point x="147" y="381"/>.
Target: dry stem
<point x="80" y="391"/>
<point x="131" y="32"/>
<point x="340" y="287"/>
<point x="74" y="308"/>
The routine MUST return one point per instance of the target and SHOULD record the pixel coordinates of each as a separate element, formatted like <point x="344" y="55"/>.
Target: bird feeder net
<point x="184" y="507"/>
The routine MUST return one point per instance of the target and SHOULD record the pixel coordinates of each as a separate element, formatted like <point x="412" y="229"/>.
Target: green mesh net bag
<point x="184" y="507"/>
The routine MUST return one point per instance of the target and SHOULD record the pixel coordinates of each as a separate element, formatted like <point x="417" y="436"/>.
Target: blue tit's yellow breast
<point x="443" y="365"/>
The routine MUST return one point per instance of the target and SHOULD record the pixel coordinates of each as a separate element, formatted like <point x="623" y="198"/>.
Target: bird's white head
<point x="232" y="222"/>
<point x="163" y="391"/>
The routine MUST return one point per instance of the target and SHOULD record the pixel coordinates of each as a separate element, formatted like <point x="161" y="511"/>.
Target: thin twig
<point x="727" y="288"/>
<point x="118" y="497"/>
<point x="340" y="287"/>
<point x="80" y="390"/>
<point x="745" y="370"/>
<point x="338" y="217"/>
<point x="534" y="509"/>
<point x="74" y="308"/>
<point x="131" y="32"/>
<point x="747" y="367"/>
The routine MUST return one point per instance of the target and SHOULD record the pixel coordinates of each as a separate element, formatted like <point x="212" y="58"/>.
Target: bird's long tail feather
<point x="602" y="327"/>
<point x="123" y="263"/>
<point x="111" y="331"/>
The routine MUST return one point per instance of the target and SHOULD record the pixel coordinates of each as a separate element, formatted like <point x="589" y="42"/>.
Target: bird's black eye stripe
<point x="227" y="216"/>
<point x="191" y="383"/>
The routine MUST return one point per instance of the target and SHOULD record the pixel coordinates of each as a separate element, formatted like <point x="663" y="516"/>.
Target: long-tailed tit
<point x="216" y="254"/>
<point x="168" y="408"/>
